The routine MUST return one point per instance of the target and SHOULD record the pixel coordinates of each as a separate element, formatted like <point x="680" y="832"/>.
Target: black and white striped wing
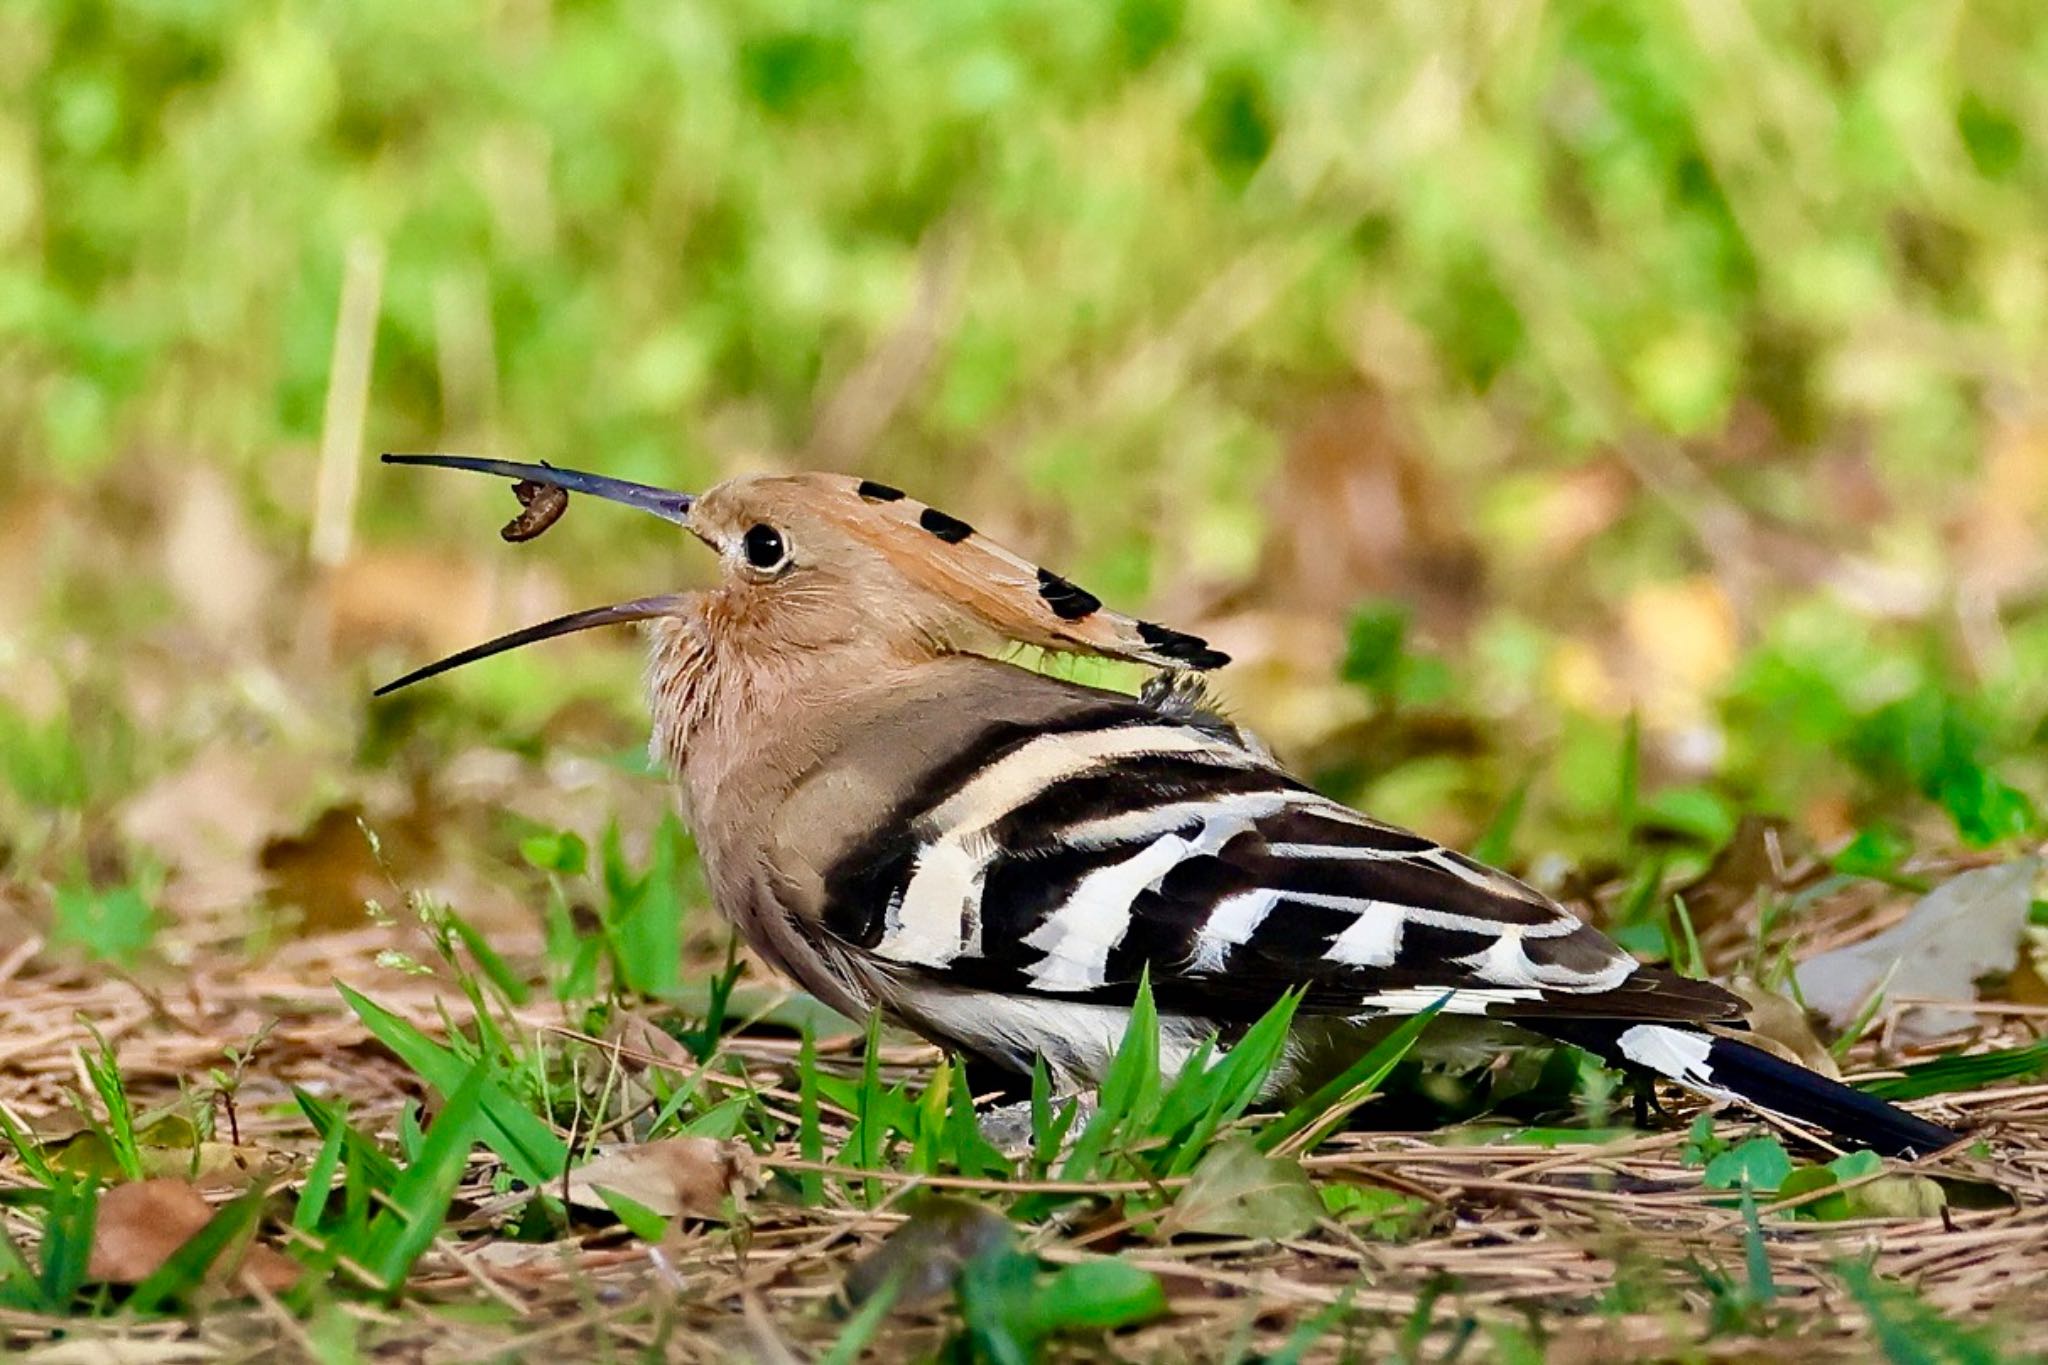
<point x="1065" y="864"/>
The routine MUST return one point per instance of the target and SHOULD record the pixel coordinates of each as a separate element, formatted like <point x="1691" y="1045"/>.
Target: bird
<point x="897" y="815"/>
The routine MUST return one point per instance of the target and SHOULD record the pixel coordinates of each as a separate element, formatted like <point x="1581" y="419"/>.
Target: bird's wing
<point x="1003" y="872"/>
<point x="1067" y="863"/>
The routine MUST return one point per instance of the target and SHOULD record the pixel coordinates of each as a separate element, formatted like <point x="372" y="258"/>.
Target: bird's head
<point x="810" y="561"/>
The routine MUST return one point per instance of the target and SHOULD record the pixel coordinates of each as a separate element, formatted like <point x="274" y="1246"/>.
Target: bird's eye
<point x="764" y="547"/>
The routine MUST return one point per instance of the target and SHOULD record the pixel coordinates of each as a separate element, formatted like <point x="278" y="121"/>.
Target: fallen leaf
<point x="141" y="1224"/>
<point x="1384" y="523"/>
<point x="1777" y="1023"/>
<point x="672" y="1177"/>
<point x="1760" y="1164"/>
<point x="1967" y="928"/>
<point x="208" y="819"/>
<point x="1239" y="1191"/>
<point x="213" y="1165"/>
<point x="924" y="1255"/>
<point x="1895" y="1196"/>
<point x="1997" y="542"/>
<point x="331" y="869"/>
<point x="433" y="603"/>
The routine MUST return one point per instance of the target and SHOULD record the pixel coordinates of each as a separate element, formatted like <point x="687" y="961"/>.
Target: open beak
<point x="669" y="506"/>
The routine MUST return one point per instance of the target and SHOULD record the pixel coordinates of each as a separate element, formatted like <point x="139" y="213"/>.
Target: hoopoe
<point x="894" y="817"/>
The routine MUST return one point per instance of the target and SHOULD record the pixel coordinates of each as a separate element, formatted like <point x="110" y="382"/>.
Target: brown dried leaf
<point x="140" y="1225"/>
<point x="675" y="1176"/>
<point x="1777" y="1024"/>
<point x="208" y="820"/>
<point x="330" y="870"/>
<point x="433" y="602"/>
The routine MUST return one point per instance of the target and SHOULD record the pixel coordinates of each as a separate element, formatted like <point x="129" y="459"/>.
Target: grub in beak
<point x="543" y="492"/>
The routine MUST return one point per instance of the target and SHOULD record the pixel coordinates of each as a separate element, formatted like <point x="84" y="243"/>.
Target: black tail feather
<point x="1726" y="1067"/>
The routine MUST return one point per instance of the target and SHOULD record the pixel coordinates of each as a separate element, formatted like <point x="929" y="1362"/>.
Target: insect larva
<point x="540" y="506"/>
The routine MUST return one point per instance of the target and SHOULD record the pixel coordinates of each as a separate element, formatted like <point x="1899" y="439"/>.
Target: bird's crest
<point x="1015" y="597"/>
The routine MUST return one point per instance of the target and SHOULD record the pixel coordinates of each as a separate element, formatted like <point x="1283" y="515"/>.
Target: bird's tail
<point x="1728" y="1069"/>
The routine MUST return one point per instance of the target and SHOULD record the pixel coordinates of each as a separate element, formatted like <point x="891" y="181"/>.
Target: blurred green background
<point x="1586" y="422"/>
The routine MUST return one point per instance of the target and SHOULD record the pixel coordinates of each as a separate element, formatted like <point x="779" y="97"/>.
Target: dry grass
<point x="1603" y="1251"/>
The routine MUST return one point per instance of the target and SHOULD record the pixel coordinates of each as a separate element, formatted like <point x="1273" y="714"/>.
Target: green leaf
<point x="1805" y="1180"/>
<point x="28" y="1150"/>
<point x="561" y="852"/>
<point x="1985" y="809"/>
<point x="1096" y="1295"/>
<point x="1373" y="1210"/>
<point x="1756" y="1260"/>
<point x="641" y="1221"/>
<point x="1239" y="1191"/>
<point x="113" y="925"/>
<point x="329" y="1119"/>
<point x="1206" y="1097"/>
<point x="810" y="1142"/>
<point x="1759" y="1164"/>
<point x="1876" y="851"/>
<point x="488" y="961"/>
<point x="995" y="1304"/>
<point x="1130" y="1086"/>
<point x="1496" y="843"/>
<point x="319" y="1180"/>
<point x="1910" y="1331"/>
<point x="1943" y="1075"/>
<point x="861" y="1328"/>
<point x="20" y="1287"/>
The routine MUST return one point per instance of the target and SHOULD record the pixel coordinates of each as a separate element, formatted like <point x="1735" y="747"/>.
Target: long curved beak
<point x="641" y="609"/>
<point x="662" y="502"/>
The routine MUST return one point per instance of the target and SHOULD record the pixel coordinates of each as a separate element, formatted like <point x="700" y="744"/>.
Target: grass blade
<point x="319" y="1180"/>
<point x="528" y="1145"/>
<point x="67" y="1240"/>
<point x="420" y="1199"/>
<point x="1309" y="1122"/>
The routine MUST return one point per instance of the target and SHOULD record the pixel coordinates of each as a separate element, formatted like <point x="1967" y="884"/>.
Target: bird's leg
<point x="1007" y="1123"/>
<point x="1648" y="1111"/>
